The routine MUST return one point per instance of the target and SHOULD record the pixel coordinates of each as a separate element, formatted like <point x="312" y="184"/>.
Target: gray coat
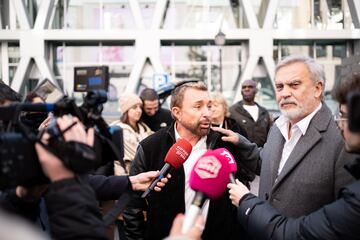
<point x="313" y="173"/>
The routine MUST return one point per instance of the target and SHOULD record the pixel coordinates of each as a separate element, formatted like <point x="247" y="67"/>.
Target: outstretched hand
<point x="229" y="136"/>
<point x="143" y="180"/>
<point x="237" y="191"/>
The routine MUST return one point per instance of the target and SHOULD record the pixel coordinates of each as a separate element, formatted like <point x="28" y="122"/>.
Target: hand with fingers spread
<point x="193" y="234"/>
<point x="143" y="180"/>
<point x="229" y="136"/>
<point x="237" y="191"/>
<point x="51" y="165"/>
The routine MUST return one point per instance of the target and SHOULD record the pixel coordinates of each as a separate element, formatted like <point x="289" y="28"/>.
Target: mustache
<point x="288" y="102"/>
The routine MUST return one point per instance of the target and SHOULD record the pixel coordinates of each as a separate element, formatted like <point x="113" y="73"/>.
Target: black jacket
<point x="338" y="220"/>
<point x="73" y="211"/>
<point x="162" y="207"/>
<point x="161" y="119"/>
<point x="256" y="131"/>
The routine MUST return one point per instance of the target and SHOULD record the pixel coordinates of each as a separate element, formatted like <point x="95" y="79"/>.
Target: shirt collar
<point x="283" y="122"/>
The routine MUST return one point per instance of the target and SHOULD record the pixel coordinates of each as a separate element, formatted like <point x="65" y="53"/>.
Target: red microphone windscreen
<point x="210" y="175"/>
<point x="231" y="160"/>
<point x="178" y="153"/>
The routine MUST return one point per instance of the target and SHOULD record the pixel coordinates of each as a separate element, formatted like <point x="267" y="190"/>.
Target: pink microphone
<point x="209" y="179"/>
<point x="231" y="160"/>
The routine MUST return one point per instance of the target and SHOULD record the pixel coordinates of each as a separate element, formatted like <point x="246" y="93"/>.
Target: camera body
<point x="19" y="164"/>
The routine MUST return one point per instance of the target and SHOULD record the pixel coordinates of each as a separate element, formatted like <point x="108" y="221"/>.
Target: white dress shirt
<point x="297" y="130"/>
<point x="197" y="150"/>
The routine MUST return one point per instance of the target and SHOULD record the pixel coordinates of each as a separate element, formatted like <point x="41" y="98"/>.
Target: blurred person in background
<point x="252" y="117"/>
<point x="219" y="113"/>
<point x="134" y="130"/>
<point x="153" y="114"/>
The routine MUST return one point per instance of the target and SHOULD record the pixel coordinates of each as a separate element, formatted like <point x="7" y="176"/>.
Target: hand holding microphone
<point x="175" y="157"/>
<point x="208" y="178"/>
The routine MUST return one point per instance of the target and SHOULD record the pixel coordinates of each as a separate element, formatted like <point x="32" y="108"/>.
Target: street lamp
<point x="220" y="41"/>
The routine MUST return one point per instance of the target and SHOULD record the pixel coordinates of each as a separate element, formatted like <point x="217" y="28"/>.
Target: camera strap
<point x="119" y="207"/>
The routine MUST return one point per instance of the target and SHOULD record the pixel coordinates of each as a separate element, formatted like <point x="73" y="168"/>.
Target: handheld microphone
<point x="231" y="160"/>
<point x="209" y="179"/>
<point x="175" y="157"/>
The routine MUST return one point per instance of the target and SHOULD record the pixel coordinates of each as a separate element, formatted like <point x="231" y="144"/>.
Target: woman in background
<point x="134" y="130"/>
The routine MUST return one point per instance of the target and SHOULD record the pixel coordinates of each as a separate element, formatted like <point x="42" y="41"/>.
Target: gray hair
<point x="316" y="70"/>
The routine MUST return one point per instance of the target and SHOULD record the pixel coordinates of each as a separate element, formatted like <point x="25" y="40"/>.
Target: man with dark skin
<point x="252" y="117"/>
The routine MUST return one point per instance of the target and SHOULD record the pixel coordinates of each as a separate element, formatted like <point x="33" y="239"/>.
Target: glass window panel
<point x="83" y="14"/>
<point x="147" y="8"/>
<point x="200" y="14"/>
<point x="118" y="15"/>
<point x="293" y="14"/>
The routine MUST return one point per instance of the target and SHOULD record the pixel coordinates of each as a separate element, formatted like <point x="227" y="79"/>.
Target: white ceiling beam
<point x="44" y="14"/>
<point x="136" y="11"/>
<point x="250" y="14"/>
<point x="159" y="13"/>
<point x="271" y="11"/>
<point x="21" y="13"/>
<point x="354" y="6"/>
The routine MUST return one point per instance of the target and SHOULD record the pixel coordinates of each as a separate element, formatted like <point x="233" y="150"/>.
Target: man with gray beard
<point x="302" y="162"/>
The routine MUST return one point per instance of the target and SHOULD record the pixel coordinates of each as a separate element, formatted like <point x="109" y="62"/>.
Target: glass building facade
<point x="140" y="39"/>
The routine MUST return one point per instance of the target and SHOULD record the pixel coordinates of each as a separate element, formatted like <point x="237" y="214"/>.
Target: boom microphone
<point x="175" y="157"/>
<point x="209" y="179"/>
<point x="231" y="160"/>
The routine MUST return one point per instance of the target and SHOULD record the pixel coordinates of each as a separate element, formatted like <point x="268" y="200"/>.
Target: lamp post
<point x="220" y="41"/>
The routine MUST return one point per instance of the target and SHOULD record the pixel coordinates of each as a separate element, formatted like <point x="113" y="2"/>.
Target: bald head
<point x="248" y="91"/>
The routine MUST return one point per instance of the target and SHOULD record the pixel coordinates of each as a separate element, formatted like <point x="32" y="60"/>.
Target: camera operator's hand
<point x="52" y="166"/>
<point x="46" y="122"/>
<point x="143" y="180"/>
<point x="237" y="191"/>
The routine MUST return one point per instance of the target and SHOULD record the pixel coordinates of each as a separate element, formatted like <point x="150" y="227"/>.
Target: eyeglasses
<point x="340" y="118"/>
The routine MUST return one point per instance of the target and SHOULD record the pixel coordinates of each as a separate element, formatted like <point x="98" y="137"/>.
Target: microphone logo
<point x="208" y="167"/>
<point x="181" y="152"/>
<point x="229" y="157"/>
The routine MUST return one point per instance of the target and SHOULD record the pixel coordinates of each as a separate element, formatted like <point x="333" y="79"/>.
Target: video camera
<point x="19" y="164"/>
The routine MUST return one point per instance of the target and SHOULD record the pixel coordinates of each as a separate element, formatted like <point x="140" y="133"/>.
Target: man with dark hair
<point x="252" y="117"/>
<point x="153" y="115"/>
<point x="190" y="107"/>
<point x="338" y="220"/>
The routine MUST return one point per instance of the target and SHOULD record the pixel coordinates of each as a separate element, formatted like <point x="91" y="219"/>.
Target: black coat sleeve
<point x="338" y="220"/>
<point x="73" y="211"/>
<point x="109" y="188"/>
<point x="133" y="214"/>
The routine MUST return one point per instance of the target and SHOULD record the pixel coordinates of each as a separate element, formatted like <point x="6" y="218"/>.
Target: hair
<point x="31" y="95"/>
<point x="317" y="73"/>
<point x="216" y="96"/>
<point x="351" y="83"/>
<point x="7" y="94"/>
<point x="177" y="94"/>
<point x="149" y="94"/>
